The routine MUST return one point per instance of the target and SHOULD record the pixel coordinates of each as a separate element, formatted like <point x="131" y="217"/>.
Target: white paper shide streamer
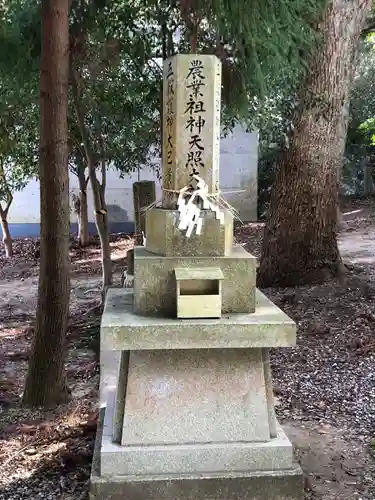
<point x="188" y="204"/>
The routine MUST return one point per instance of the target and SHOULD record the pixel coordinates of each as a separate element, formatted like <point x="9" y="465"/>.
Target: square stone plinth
<point x="122" y="329"/>
<point x="155" y="281"/>
<point x="189" y="396"/>
<point x="202" y="456"/>
<point x="260" y="485"/>
<point x="272" y="484"/>
<point x="164" y="237"/>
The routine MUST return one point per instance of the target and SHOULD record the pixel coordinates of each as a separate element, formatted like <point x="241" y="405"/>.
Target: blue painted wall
<point x="32" y="230"/>
<point x="238" y="175"/>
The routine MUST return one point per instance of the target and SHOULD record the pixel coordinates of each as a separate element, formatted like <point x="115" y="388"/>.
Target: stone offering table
<point x="192" y="415"/>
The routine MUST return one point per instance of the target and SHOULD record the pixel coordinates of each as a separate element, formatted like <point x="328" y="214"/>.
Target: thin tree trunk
<point x="300" y="243"/>
<point x="81" y="203"/>
<point x="101" y="220"/>
<point x="104" y="236"/>
<point x="342" y="134"/>
<point x="7" y="238"/>
<point x="83" y="216"/>
<point x="373" y="180"/>
<point x="45" y="381"/>
<point x="83" y="223"/>
<point x="144" y="193"/>
<point x="98" y="190"/>
<point x="371" y="168"/>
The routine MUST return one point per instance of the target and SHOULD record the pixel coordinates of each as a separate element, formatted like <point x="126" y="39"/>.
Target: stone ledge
<point x="121" y="329"/>
<point x="257" y="485"/>
<point x="270" y="485"/>
<point x="201" y="458"/>
<point x="195" y="459"/>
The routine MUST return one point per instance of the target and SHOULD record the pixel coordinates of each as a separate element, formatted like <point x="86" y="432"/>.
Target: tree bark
<point x="300" y="243"/>
<point x="45" y="381"/>
<point x="80" y="203"/>
<point x="144" y="193"/>
<point x="83" y="216"/>
<point x="369" y="176"/>
<point x="83" y="222"/>
<point x="7" y="238"/>
<point x="343" y="132"/>
<point x="104" y="227"/>
<point x="373" y="180"/>
<point x="101" y="220"/>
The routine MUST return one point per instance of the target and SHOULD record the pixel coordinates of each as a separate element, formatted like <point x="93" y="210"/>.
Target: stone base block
<point x="120" y="460"/>
<point x="155" y="282"/>
<point x="270" y="485"/>
<point x="205" y="457"/>
<point x="164" y="238"/>
<point x="286" y="484"/>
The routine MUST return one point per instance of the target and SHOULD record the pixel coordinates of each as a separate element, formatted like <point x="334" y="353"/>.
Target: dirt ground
<point x="324" y="388"/>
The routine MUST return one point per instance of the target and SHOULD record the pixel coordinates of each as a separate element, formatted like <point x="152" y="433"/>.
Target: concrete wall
<point x="238" y="171"/>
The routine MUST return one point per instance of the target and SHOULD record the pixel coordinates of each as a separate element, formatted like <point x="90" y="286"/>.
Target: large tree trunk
<point x="45" y="382"/>
<point x="300" y="244"/>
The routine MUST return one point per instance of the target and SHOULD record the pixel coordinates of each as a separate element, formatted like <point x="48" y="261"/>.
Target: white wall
<point x="238" y="171"/>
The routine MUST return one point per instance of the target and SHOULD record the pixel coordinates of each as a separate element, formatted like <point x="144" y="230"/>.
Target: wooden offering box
<point x="198" y="292"/>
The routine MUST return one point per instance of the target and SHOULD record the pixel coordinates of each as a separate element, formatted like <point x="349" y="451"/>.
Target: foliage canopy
<point x="257" y="41"/>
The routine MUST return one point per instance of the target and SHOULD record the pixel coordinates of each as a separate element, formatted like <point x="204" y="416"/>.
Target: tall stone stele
<point x="192" y="415"/>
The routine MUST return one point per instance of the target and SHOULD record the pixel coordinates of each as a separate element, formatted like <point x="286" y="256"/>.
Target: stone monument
<point x="192" y="416"/>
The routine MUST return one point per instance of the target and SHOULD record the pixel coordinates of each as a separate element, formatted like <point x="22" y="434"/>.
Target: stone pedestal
<point x="194" y="401"/>
<point x="192" y="414"/>
<point x="284" y="484"/>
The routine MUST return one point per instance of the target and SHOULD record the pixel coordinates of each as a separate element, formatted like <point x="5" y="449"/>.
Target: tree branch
<point x="102" y="151"/>
<point x="81" y="120"/>
<point x="368" y="29"/>
<point x="368" y="26"/>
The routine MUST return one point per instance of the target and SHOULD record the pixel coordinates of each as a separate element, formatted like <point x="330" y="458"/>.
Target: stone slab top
<point x="238" y="252"/>
<point x="121" y="329"/>
<point x="194" y="273"/>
